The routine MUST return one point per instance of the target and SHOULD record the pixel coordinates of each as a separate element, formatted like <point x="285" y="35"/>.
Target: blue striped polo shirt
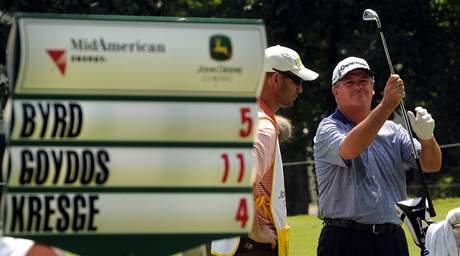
<point x="364" y="189"/>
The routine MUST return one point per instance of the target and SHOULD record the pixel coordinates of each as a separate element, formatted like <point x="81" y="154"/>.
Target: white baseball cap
<point x="279" y="58"/>
<point x="349" y="64"/>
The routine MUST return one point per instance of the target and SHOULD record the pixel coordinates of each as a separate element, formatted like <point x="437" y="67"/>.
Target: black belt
<point x="372" y="228"/>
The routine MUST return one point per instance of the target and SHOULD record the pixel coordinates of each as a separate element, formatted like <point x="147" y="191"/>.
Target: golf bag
<point x="413" y="212"/>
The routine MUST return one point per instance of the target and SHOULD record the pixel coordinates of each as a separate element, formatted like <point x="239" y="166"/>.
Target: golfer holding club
<point x="359" y="157"/>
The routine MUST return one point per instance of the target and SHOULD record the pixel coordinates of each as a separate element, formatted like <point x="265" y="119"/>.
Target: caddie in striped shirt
<point x="285" y="74"/>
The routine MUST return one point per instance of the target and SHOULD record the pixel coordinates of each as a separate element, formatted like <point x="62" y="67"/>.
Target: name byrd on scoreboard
<point x="152" y="121"/>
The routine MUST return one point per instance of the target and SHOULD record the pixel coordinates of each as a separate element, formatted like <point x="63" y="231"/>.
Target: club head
<point x="370" y="14"/>
<point x="413" y="213"/>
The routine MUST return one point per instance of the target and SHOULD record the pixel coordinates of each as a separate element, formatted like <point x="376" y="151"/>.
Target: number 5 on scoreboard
<point x="246" y="120"/>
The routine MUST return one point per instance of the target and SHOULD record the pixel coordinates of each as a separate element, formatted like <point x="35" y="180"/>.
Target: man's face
<point x="354" y="90"/>
<point x="289" y="87"/>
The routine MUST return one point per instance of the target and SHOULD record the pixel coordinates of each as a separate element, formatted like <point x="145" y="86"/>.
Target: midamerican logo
<point x="220" y="47"/>
<point x="59" y="58"/>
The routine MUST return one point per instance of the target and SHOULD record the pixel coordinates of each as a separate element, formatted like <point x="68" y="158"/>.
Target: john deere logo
<point x="220" y="47"/>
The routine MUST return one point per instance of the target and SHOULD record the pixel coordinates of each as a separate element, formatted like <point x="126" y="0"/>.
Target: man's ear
<point x="276" y="77"/>
<point x="334" y="90"/>
<point x="276" y="80"/>
<point x="373" y="92"/>
<point x="273" y="77"/>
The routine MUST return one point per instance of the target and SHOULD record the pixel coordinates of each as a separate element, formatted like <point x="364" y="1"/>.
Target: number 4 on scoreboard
<point x="242" y="212"/>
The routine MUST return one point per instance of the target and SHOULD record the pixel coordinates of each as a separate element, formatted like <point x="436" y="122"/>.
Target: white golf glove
<point x="423" y="124"/>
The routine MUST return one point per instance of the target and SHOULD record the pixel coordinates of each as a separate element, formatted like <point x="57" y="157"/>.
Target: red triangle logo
<point x="59" y="58"/>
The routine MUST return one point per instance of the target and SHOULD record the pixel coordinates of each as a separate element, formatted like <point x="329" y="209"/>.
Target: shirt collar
<point x="338" y="115"/>
<point x="265" y="108"/>
<point x="268" y="111"/>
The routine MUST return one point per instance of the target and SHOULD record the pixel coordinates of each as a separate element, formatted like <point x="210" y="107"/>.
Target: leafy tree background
<point x="422" y="35"/>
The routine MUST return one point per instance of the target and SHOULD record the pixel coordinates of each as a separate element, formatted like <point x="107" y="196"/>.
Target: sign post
<point x="130" y="135"/>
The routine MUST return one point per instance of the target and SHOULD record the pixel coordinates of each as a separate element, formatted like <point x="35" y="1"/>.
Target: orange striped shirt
<point x="264" y="153"/>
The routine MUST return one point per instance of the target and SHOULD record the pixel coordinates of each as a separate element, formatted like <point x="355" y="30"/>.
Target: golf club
<point x="369" y="15"/>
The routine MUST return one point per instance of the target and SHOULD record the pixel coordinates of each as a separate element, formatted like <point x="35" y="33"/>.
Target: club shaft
<point x="390" y="64"/>
<point x="401" y="104"/>
<point x="430" y="209"/>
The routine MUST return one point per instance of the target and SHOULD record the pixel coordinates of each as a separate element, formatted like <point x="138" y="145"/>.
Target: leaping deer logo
<point x="220" y="47"/>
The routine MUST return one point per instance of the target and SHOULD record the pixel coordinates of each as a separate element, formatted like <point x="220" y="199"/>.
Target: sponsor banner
<point x="127" y="213"/>
<point x="100" y="57"/>
<point x="80" y="167"/>
<point x="123" y="121"/>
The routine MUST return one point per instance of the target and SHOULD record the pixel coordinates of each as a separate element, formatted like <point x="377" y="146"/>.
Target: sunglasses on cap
<point x="297" y="80"/>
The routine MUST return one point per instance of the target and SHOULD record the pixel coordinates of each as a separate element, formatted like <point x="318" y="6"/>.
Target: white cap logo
<point x="347" y="65"/>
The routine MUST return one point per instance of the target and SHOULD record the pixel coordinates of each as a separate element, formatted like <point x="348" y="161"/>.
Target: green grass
<point x="305" y="229"/>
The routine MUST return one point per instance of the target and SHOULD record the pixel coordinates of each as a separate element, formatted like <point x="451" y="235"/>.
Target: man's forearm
<point x="362" y="135"/>
<point x="430" y="156"/>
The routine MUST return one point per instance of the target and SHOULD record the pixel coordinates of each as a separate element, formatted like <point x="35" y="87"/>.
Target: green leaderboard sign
<point x="130" y="135"/>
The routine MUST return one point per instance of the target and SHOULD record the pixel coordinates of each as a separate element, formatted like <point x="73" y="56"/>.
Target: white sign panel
<point x="128" y="213"/>
<point x="133" y="121"/>
<point x="129" y="167"/>
<point x="140" y="58"/>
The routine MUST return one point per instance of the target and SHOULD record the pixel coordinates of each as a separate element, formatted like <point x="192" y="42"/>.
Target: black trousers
<point x="337" y="241"/>
<point x="249" y="247"/>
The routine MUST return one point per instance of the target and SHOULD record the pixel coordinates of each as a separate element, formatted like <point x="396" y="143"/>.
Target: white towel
<point x="457" y="236"/>
<point x="10" y="246"/>
<point x="440" y="238"/>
